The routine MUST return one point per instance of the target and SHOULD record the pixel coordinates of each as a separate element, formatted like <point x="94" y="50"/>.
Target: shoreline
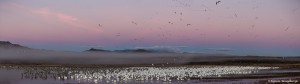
<point x="284" y="65"/>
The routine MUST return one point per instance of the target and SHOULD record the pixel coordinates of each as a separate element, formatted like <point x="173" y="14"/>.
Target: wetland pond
<point x="16" y="74"/>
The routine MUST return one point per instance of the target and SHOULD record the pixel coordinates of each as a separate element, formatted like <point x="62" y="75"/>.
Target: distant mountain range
<point x="130" y="51"/>
<point x="9" y="45"/>
<point x="135" y="50"/>
<point x="97" y="50"/>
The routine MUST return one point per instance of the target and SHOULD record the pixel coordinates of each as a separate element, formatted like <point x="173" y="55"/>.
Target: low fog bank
<point x="61" y="57"/>
<point x="30" y="56"/>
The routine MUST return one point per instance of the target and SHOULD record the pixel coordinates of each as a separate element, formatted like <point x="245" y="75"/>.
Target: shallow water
<point x="147" y="75"/>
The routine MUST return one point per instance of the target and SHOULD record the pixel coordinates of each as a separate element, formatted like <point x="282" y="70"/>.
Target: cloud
<point x="65" y="18"/>
<point x="60" y="16"/>
<point x="43" y="12"/>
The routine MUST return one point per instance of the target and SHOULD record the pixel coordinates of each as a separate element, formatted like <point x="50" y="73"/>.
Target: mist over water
<point x="61" y="57"/>
<point x="35" y="56"/>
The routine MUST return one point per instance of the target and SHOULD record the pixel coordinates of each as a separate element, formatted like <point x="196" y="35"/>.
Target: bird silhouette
<point x="118" y="34"/>
<point x="218" y="2"/>
<point x="252" y="26"/>
<point x="235" y="15"/>
<point x="133" y="22"/>
<point x="228" y="35"/>
<point x="287" y="29"/>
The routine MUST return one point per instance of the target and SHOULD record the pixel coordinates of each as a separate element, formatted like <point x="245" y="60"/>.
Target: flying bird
<point x="252" y="26"/>
<point x="118" y="34"/>
<point x="228" y="35"/>
<point x="287" y="29"/>
<point x="133" y="22"/>
<point x="99" y="25"/>
<point x="218" y="2"/>
<point x="188" y="24"/>
<point x="294" y="10"/>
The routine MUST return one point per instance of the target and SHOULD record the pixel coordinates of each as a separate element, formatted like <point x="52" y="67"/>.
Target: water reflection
<point x="132" y="74"/>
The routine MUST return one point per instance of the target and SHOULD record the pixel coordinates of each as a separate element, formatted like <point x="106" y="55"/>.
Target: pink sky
<point x="267" y="23"/>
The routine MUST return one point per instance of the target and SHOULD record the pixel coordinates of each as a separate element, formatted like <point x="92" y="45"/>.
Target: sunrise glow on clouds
<point x="246" y="26"/>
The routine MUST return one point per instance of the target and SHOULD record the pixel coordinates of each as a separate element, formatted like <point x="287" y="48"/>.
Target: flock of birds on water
<point x="133" y="74"/>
